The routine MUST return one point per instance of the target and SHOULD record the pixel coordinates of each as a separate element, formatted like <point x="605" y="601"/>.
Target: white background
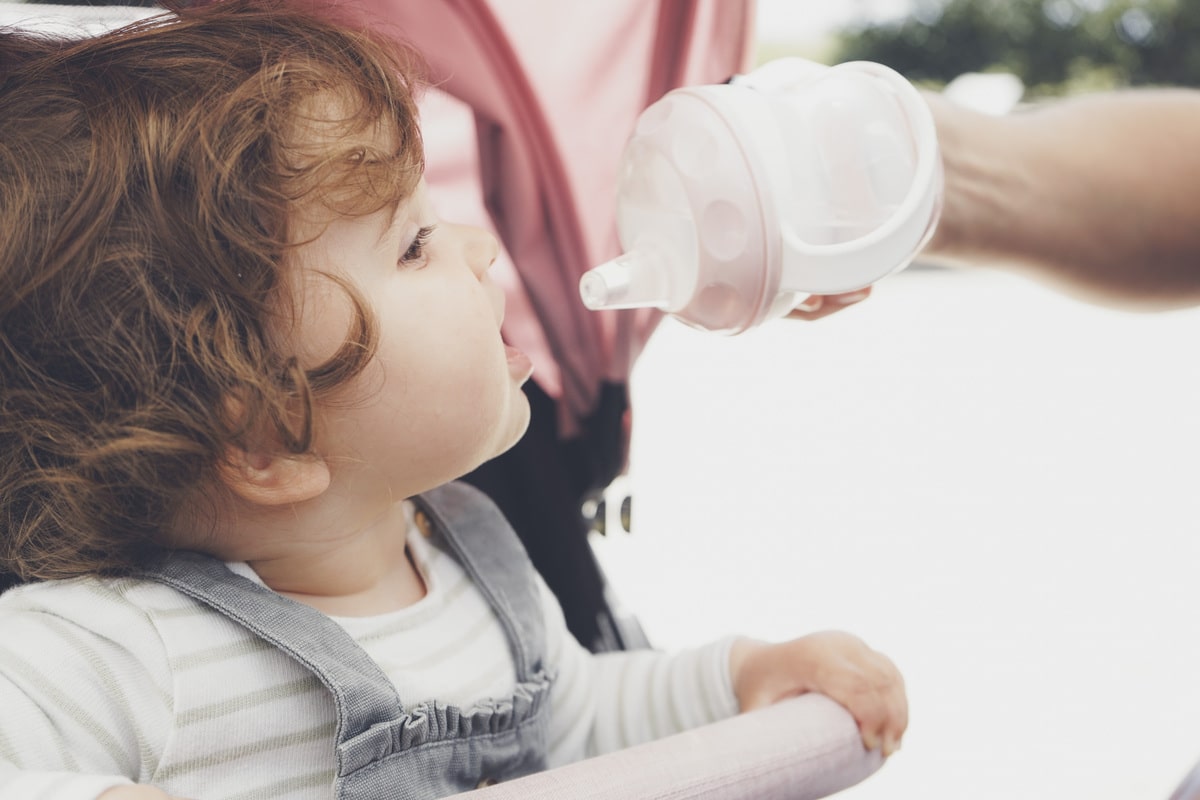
<point x="993" y="484"/>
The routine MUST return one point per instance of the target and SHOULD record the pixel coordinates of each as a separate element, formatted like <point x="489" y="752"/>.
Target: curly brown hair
<point x="147" y="180"/>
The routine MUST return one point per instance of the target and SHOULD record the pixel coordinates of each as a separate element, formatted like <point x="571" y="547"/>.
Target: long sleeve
<point x="103" y="683"/>
<point x="83" y="688"/>
<point x="610" y="701"/>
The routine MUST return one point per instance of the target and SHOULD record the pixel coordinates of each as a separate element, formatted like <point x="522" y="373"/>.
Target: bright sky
<point x="791" y="20"/>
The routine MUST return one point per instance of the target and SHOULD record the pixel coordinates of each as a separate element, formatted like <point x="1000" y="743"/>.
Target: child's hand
<point x="834" y="664"/>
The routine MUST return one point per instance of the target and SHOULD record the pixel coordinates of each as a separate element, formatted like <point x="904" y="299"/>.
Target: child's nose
<point x="482" y="249"/>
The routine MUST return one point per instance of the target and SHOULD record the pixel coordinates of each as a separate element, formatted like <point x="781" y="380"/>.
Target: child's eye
<point x="415" y="254"/>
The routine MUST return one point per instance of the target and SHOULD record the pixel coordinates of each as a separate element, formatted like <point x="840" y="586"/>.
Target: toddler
<point x="242" y="363"/>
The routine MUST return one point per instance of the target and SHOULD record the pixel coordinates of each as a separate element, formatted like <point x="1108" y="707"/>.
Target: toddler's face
<point x="443" y="394"/>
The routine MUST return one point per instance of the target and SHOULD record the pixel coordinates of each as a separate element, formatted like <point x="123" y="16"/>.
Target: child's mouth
<point x="519" y="365"/>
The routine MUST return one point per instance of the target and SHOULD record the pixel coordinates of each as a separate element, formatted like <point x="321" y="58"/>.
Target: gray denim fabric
<point x="385" y="751"/>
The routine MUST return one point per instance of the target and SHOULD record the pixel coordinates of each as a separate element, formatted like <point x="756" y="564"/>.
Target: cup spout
<point x="636" y="279"/>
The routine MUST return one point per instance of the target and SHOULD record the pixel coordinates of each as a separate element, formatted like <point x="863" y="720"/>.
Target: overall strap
<point x="487" y="547"/>
<point x="362" y="693"/>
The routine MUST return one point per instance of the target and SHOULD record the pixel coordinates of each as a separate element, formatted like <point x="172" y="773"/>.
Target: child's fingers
<point x="897" y="717"/>
<point x="878" y="702"/>
<point x="897" y="703"/>
<point x="874" y="726"/>
<point x="893" y="708"/>
<point x="836" y="664"/>
<point x="882" y="737"/>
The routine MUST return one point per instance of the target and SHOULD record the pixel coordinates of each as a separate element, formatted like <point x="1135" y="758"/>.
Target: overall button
<point x="423" y="523"/>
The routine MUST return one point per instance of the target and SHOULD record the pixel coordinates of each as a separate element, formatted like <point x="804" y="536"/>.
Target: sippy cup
<point x="736" y="201"/>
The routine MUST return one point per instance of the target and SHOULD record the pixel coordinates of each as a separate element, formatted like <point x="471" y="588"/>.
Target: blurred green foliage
<point x="1055" y="47"/>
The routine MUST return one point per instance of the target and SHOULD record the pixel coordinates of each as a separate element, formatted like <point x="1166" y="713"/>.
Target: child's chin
<point x="520" y="428"/>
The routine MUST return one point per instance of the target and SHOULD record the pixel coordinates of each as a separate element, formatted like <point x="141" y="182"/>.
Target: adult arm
<point x="1097" y="195"/>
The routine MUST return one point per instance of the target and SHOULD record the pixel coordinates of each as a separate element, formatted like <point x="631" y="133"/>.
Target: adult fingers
<point x="817" y="306"/>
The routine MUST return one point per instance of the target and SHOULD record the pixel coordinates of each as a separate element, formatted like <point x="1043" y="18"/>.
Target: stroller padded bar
<point x="800" y="749"/>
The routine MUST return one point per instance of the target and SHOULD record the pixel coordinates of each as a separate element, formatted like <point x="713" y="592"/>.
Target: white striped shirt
<point x="110" y="681"/>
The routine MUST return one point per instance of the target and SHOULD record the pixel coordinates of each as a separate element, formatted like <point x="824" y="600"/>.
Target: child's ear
<point x="274" y="479"/>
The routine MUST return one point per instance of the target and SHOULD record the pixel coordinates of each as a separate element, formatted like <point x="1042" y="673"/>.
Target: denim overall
<point x="385" y="751"/>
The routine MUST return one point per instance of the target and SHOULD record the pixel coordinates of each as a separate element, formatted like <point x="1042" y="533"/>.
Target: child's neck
<point x="361" y="570"/>
<point x="346" y="587"/>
